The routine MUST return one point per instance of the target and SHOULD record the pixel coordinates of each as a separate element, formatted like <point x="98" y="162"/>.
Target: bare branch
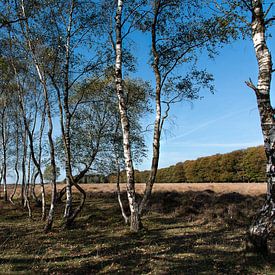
<point x="165" y="115"/>
<point x="269" y="20"/>
<point x="268" y="10"/>
<point x="9" y="22"/>
<point x="249" y="8"/>
<point x="252" y="86"/>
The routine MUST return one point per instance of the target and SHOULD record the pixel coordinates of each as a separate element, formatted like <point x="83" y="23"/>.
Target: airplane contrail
<point x="203" y="125"/>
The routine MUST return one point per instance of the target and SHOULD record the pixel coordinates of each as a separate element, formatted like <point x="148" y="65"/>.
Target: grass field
<point x="189" y="229"/>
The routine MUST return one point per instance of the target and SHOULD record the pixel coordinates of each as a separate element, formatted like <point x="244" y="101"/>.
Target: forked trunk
<point x="69" y="199"/>
<point x="34" y="196"/>
<point x="60" y="194"/>
<point x="70" y="219"/>
<point x="123" y="213"/>
<point x="15" y="167"/>
<point x="32" y="156"/>
<point x="135" y="222"/>
<point x="50" y="217"/>
<point x="260" y="229"/>
<point x="42" y="78"/>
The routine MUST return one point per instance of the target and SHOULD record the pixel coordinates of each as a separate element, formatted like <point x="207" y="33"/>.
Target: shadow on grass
<point x="99" y="243"/>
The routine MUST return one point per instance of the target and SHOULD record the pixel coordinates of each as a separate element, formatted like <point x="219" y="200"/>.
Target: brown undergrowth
<point x="193" y="232"/>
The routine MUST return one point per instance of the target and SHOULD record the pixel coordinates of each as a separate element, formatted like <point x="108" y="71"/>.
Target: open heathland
<point x="198" y="229"/>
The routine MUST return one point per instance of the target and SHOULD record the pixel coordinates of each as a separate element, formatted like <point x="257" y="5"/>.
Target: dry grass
<point x="196" y="231"/>
<point x="251" y="189"/>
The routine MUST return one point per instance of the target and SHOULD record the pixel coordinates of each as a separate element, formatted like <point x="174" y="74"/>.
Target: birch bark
<point x="261" y="228"/>
<point x="135" y="223"/>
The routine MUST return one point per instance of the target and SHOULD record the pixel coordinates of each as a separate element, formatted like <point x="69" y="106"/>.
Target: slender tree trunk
<point x="16" y="163"/>
<point x="50" y="218"/>
<point x="261" y="228"/>
<point x="135" y="222"/>
<point x="157" y="124"/>
<point x="123" y="213"/>
<point x="1" y="178"/>
<point x="24" y="145"/>
<point x="24" y="198"/>
<point x="41" y="131"/>
<point x="4" y="146"/>
<point x="43" y="81"/>
<point x="34" y="196"/>
<point x="64" y="111"/>
<point x="49" y="223"/>
<point x="32" y="155"/>
<point x="115" y="144"/>
<point x="28" y="175"/>
<point x="78" y="209"/>
<point x="60" y="194"/>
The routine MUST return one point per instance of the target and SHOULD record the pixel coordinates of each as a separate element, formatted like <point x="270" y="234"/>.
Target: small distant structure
<point x="94" y="178"/>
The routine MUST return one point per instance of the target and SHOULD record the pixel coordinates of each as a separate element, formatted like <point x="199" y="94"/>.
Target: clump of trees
<point x="238" y="166"/>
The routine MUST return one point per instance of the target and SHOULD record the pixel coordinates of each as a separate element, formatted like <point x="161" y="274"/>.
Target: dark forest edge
<point x="245" y="165"/>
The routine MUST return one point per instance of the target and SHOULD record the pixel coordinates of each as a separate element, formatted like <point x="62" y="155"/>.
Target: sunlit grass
<point x="173" y="240"/>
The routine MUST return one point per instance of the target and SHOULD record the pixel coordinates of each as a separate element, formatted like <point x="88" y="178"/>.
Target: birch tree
<point x="135" y="222"/>
<point x="71" y="27"/>
<point x="264" y="221"/>
<point x="257" y="25"/>
<point x="28" y="35"/>
<point x="179" y="32"/>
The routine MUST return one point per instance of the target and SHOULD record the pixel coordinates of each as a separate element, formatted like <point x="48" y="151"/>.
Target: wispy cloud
<point x="208" y="123"/>
<point x="224" y="145"/>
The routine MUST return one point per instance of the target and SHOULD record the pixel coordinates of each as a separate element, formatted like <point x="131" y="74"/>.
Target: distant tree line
<point x="238" y="166"/>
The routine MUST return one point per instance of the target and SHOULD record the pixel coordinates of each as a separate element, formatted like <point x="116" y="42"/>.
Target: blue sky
<point x="219" y="123"/>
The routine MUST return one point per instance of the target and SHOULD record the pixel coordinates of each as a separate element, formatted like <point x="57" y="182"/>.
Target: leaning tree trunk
<point x="116" y="153"/>
<point x="32" y="155"/>
<point x="64" y="110"/>
<point x="16" y="163"/>
<point x="135" y="222"/>
<point x="123" y="213"/>
<point x="262" y="225"/>
<point x="50" y="217"/>
<point x="4" y="147"/>
<point x="42" y="78"/>
<point x="24" y="148"/>
<point x="157" y="125"/>
<point x="41" y="131"/>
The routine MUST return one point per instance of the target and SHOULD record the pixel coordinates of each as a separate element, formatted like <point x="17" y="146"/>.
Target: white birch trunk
<point x="135" y="223"/>
<point x="43" y="81"/>
<point x="260" y="230"/>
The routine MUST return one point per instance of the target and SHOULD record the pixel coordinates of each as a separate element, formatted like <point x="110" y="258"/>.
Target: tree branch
<point x="268" y="10"/>
<point x="269" y="20"/>
<point x="249" y="8"/>
<point x="252" y="86"/>
<point x="7" y="22"/>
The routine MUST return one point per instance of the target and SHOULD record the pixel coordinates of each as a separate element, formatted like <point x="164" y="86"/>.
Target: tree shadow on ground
<point x="173" y="242"/>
